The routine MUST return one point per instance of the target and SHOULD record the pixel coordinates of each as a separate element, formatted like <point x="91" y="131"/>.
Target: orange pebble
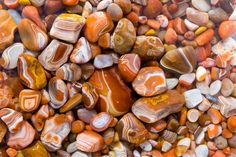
<point x="11" y="152"/>
<point x="205" y="37"/>
<point x="211" y="152"/>
<point x="171" y="24"/>
<point x="183" y="116"/>
<point x="215" y="115"/>
<point x="227" y="29"/>
<point x="231" y="123"/>
<point x="213" y="131"/>
<point x="227" y="150"/>
<point x="226" y="133"/>
<point x="219" y="153"/>
<point x="88" y="127"/>
<point x="170" y="36"/>
<point x="70" y="2"/>
<point x="170" y="153"/>
<point x="153" y="23"/>
<point x="179" y="26"/>
<point x="77" y="126"/>
<point x="133" y="17"/>
<point x="11" y="3"/>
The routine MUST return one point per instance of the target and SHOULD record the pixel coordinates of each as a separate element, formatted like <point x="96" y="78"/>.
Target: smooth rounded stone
<point x="8" y="28"/>
<point x="103" y="61"/>
<point x="231" y="141"/>
<point x="115" y="11"/>
<point x="23" y="137"/>
<point x="163" y="20"/>
<point x="87" y="70"/>
<point x="129" y="65"/>
<point x="79" y="154"/>
<point x="152" y="109"/>
<point x="166" y="146"/>
<point x="38" y="119"/>
<point x="70" y="2"/>
<point x="55" y="55"/>
<point x="217" y="15"/>
<point x="29" y="100"/>
<point x="227" y="29"/>
<point x="69" y="72"/>
<point x="15" y="15"/>
<point x="201" y="73"/>
<point x="86" y="115"/>
<point x="227" y="106"/>
<point x="232" y="17"/>
<point x="203" y="87"/>
<point x="125" y="5"/>
<point x="71" y="147"/>
<point x="180" y="60"/>
<point x="33" y="37"/>
<point x="215" y="87"/>
<point x="124" y="36"/>
<point x="103" y="4"/>
<point x="148" y="47"/>
<point x="10" y="56"/>
<point x="193" y="98"/>
<point x="67" y="27"/>
<point x="58" y="92"/>
<point x="181" y="11"/>
<point x="71" y="103"/>
<point x="55" y="131"/>
<point x="103" y="23"/>
<point x="221" y="142"/>
<point x="187" y="79"/>
<point x="51" y="7"/>
<point x="6" y="96"/>
<point x="130" y="129"/>
<point x="201" y="151"/>
<point x="12" y="119"/>
<point x="114" y="95"/>
<point x="89" y="141"/>
<point x="193" y="115"/>
<point x="37" y="3"/>
<point x="89" y="95"/>
<point x="36" y="150"/>
<point x="191" y="26"/>
<point x="150" y="81"/>
<point x="171" y="83"/>
<point x="201" y="5"/>
<point x="227" y="87"/>
<point x="3" y="129"/>
<point x="101" y="121"/>
<point x="31" y="72"/>
<point x="152" y="9"/>
<point x="82" y="52"/>
<point x="146" y="146"/>
<point x="87" y="9"/>
<point x="197" y="17"/>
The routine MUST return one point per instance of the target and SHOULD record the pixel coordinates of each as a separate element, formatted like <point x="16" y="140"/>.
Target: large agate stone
<point x="7" y="29"/>
<point x="181" y="60"/>
<point x="114" y="95"/>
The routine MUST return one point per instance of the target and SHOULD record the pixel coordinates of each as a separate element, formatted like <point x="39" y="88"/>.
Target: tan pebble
<point x="221" y="142"/>
<point x="227" y="87"/>
<point x="115" y="11"/>
<point x="193" y="115"/>
<point x="201" y="73"/>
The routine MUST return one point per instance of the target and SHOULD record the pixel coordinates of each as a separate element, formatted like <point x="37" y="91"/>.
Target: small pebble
<point x="193" y="98"/>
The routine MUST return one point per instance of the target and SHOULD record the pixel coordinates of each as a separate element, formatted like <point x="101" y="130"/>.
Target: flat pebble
<point x="103" y="61"/>
<point x="193" y="98"/>
<point x="215" y="87"/>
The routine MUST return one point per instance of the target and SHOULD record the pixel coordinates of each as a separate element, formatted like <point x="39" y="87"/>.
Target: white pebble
<point x="193" y="98"/>
<point x="201" y="151"/>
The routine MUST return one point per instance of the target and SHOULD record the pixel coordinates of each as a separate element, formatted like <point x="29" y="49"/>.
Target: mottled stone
<point x="55" y="55"/>
<point x="36" y="150"/>
<point x="67" y="27"/>
<point x="148" y="47"/>
<point x="58" y="92"/>
<point x="150" y="81"/>
<point x="31" y="72"/>
<point x="69" y="72"/>
<point x="89" y="95"/>
<point x="155" y="108"/>
<point x="114" y="95"/>
<point x="124" y="36"/>
<point x="55" y="131"/>
<point x="97" y="24"/>
<point x="181" y="60"/>
<point x="33" y="37"/>
<point x="82" y="52"/>
<point x="7" y="29"/>
<point x="103" y="61"/>
<point x="129" y="65"/>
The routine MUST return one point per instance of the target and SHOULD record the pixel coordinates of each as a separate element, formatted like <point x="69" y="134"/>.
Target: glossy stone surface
<point x="33" y="37"/>
<point x="89" y="141"/>
<point x="7" y="27"/>
<point x="29" y="100"/>
<point x="129" y="65"/>
<point x="82" y="52"/>
<point x="152" y="9"/>
<point x="23" y="137"/>
<point x="130" y="129"/>
<point x="148" y="47"/>
<point x="101" y="121"/>
<point x="181" y="60"/>
<point x="37" y="3"/>
<point x="97" y="24"/>
<point x="31" y="72"/>
<point x="155" y="108"/>
<point x="150" y="81"/>
<point x="55" y="55"/>
<point x="71" y="103"/>
<point x="55" y="131"/>
<point x="10" y="56"/>
<point x="36" y="150"/>
<point x="12" y="119"/>
<point x="3" y="129"/>
<point x="114" y="95"/>
<point x="123" y="37"/>
<point x="89" y="95"/>
<point x="67" y="27"/>
<point x="69" y="72"/>
<point x="198" y="17"/>
<point x="227" y="29"/>
<point x="58" y="92"/>
<point x="103" y="61"/>
<point x="227" y="106"/>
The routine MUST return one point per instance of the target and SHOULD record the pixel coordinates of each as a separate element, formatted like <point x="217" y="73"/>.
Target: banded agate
<point x="55" y="131"/>
<point x="31" y="72"/>
<point x="69" y="72"/>
<point x="67" y="27"/>
<point x="7" y="29"/>
<point x="33" y="37"/>
<point x="89" y="95"/>
<point x="114" y="95"/>
<point x="58" y="92"/>
<point x="29" y="100"/>
<point x="38" y="119"/>
<point x="55" y="55"/>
